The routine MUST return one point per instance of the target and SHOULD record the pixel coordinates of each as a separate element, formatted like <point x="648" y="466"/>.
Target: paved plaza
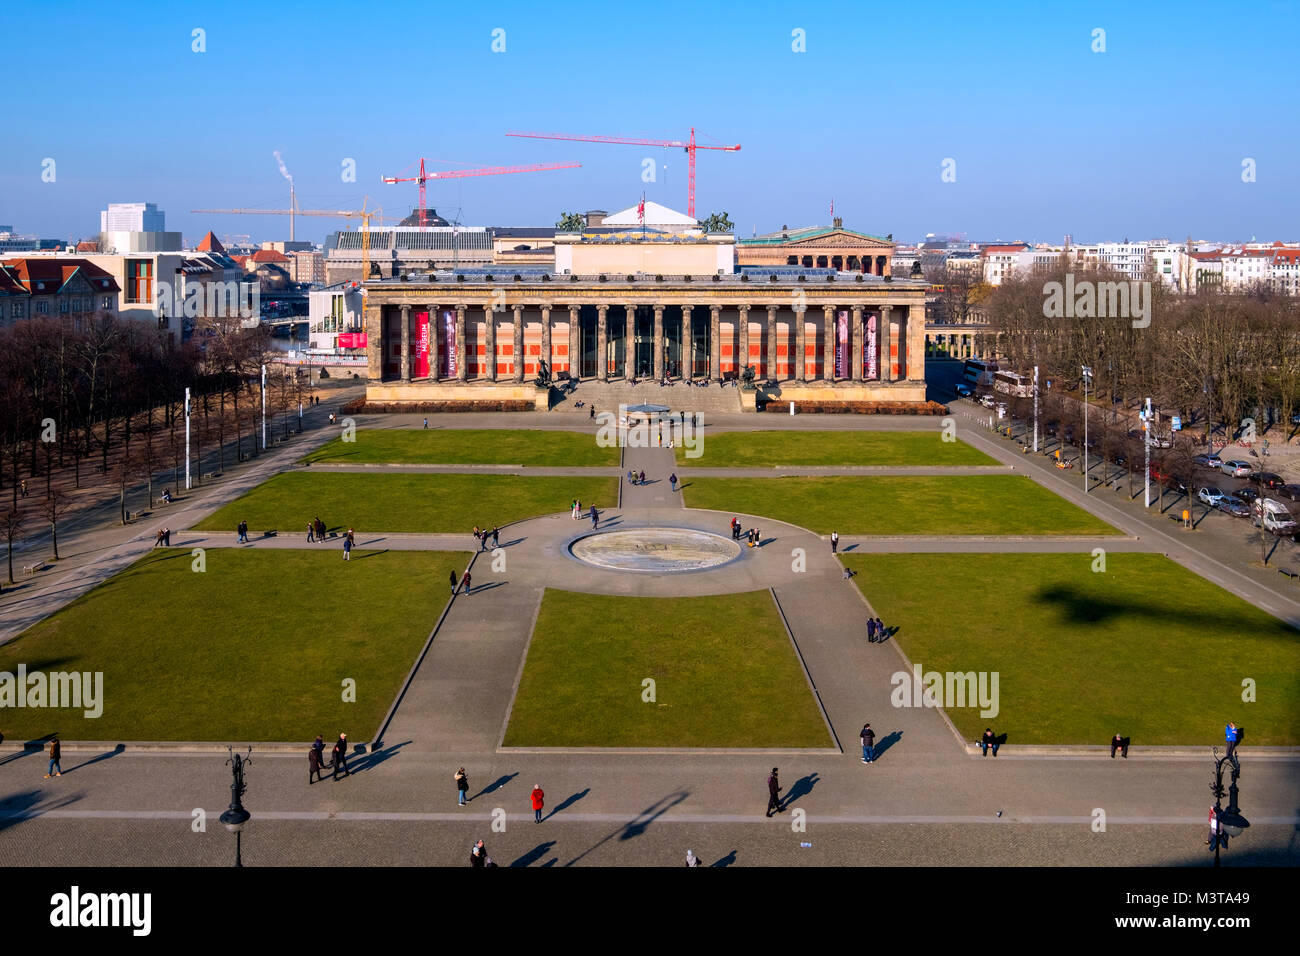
<point x="928" y="799"/>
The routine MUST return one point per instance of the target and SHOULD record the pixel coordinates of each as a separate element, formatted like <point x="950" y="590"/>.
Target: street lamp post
<point x="1229" y="822"/>
<point x="1087" y="381"/>
<point x="235" y="817"/>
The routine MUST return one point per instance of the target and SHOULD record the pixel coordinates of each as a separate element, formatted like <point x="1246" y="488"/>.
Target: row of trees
<point x="1211" y="357"/>
<point x="101" y="403"/>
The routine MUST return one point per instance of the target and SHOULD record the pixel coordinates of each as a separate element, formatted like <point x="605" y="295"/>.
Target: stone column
<point x="376" y="342"/>
<point x="801" y="344"/>
<point x="688" y="343"/>
<point x="771" y="342"/>
<point x="462" y="367"/>
<point x="828" y="343"/>
<point x="715" y="344"/>
<point x="490" y="346"/>
<point x="855" y="337"/>
<point x="602" y="344"/>
<point x="406" y="343"/>
<point x="575" y="341"/>
<point x="629" y="342"/>
<point x="659" y="343"/>
<point x="886" y="337"/>
<point x="546" y="338"/>
<point x="743" y="338"/>
<point x="519" y="344"/>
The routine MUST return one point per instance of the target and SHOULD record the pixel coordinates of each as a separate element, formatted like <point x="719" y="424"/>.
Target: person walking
<point x="871" y="629"/>
<point x="1118" y="743"/>
<point x="595" y="517"/>
<point x="464" y="582"/>
<point x="347" y="548"/>
<point x="454" y="582"/>
<point x="692" y="859"/>
<point x="158" y="540"/>
<point x="477" y="854"/>
<point x="24" y="491"/>
<point x="591" y="411"/>
<point x="989" y="739"/>
<point x="539" y="801"/>
<point x="1231" y="734"/>
<point x="880" y="630"/>
<point x="735" y="528"/>
<point x="167" y="537"/>
<point x="56" y="752"/>
<point x="868" y="743"/>
<point x="311" y="532"/>
<point x="462" y="786"/>
<point x="319" y="747"/>
<point x="341" y="756"/>
<point x="642" y="477"/>
<point x="496" y="538"/>
<point x="478" y="538"/>
<point x="426" y="424"/>
<point x="773" y="793"/>
<point x="835" y="542"/>
<point x="672" y="481"/>
<point x="243" y="532"/>
<point x="313" y="765"/>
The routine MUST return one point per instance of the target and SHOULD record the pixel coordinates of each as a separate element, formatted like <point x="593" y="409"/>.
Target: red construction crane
<point x="690" y="146"/>
<point x="424" y="176"/>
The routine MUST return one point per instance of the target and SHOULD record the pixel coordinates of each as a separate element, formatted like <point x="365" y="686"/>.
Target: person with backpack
<point x="462" y="786"/>
<point x="313" y="765"/>
<point x="868" y="743"/>
<point x="672" y="481"/>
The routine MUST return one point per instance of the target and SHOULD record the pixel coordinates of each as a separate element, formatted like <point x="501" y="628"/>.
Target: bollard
<point x="792" y="408"/>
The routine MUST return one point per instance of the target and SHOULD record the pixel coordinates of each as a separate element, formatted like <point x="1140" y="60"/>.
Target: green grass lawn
<point x="404" y="502"/>
<point x="457" y="446"/>
<point x="767" y="448"/>
<point x="895" y="505"/>
<point x="725" y="675"/>
<point x="1146" y="649"/>
<point x="254" y="648"/>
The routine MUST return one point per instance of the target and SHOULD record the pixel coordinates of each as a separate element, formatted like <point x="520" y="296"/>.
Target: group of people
<point x="636" y="477"/>
<point x="458" y="584"/>
<point x="876" y="631"/>
<point x="338" y="759"/>
<point x="481" y="535"/>
<point x="753" y="536"/>
<point x="316" y="529"/>
<point x="242" y="528"/>
<point x="164" y="538"/>
<point x="576" y="511"/>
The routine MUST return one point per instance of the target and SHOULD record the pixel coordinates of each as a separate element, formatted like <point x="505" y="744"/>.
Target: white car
<point x="1211" y="496"/>
<point x="1235" y="468"/>
<point x="987" y="401"/>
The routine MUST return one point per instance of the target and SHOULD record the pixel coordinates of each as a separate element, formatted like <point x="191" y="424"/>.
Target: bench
<point x="33" y="568"/>
<point x="1290" y="573"/>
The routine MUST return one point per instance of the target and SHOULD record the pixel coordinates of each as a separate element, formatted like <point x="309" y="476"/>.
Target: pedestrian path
<point x="658" y="465"/>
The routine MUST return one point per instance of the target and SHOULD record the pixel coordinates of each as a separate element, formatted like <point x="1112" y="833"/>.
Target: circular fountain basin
<point x="654" y="549"/>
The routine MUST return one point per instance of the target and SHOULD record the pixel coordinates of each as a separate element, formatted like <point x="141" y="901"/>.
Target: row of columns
<point x="884" y="338"/>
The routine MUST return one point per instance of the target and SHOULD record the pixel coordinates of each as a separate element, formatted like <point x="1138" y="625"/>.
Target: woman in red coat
<point x="538" y="802"/>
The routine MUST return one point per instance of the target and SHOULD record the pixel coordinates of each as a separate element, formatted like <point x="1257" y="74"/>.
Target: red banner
<point x="352" y="340"/>
<point x="421" y="345"/>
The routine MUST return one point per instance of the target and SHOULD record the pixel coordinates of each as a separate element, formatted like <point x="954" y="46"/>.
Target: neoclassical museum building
<point x="652" y="296"/>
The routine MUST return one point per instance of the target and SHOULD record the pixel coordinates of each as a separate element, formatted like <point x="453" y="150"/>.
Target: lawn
<point x="1145" y="649"/>
<point x="725" y="675"/>
<point x="456" y="446"/>
<point x="768" y="448"/>
<point x="404" y="502"/>
<point x="894" y="505"/>
<point x="254" y="648"/>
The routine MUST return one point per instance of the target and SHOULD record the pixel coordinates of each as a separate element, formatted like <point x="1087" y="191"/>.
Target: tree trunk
<point x="54" y="536"/>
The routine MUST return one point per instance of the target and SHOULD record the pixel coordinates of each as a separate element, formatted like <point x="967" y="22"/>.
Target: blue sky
<point x="1146" y="139"/>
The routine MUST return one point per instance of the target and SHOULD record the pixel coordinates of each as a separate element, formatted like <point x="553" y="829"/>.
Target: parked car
<point x="1267" y="479"/>
<point x="1289" y="491"/>
<point x="1176" y="485"/>
<point x="1207" y="461"/>
<point x="1234" y="506"/>
<point x="987" y="401"/>
<point x="1248" y="495"/>
<point x="962" y="390"/>
<point x="1235" y="468"/>
<point x="1211" y="496"/>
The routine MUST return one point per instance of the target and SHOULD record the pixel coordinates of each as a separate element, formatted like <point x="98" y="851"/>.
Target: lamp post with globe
<point x="236" y="816"/>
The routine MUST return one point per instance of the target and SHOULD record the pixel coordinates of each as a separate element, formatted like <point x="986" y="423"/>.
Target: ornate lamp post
<point x="1229" y="822"/>
<point x="235" y="817"/>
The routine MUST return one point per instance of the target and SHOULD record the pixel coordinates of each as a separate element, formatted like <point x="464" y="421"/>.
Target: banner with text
<point x="869" y="348"/>
<point x="421" y="345"/>
<point x="842" y="344"/>
<point x="448" y="351"/>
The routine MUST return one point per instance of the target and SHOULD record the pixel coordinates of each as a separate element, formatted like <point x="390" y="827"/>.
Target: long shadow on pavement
<point x="727" y="860"/>
<point x="107" y="755"/>
<point x="375" y="757"/>
<point x="15" y="809"/>
<point x="567" y="802"/>
<point x="535" y="854"/>
<point x="495" y="785"/>
<point x="886" y="742"/>
<point x="635" y="827"/>
<point x="800" y="788"/>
